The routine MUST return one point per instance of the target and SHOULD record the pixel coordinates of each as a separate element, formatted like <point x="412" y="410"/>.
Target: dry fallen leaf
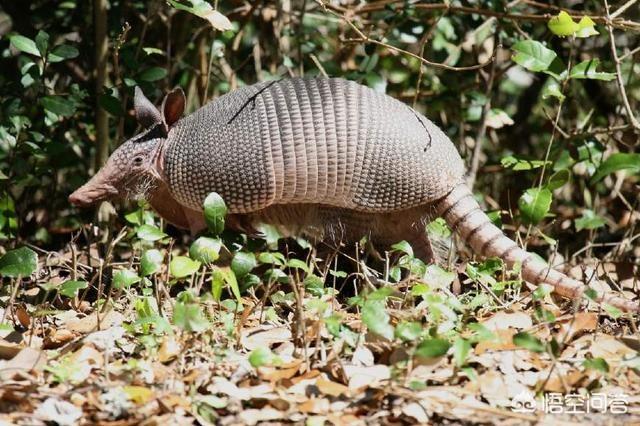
<point x="328" y="387"/>
<point x="57" y="411"/>
<point x="138" y="394"/>
<point x="315" y="406"/>
<point x="415" y="411"/>
<point x="8" y="349"/>
<point x="254" y="416"/>
<point x="89" y="323"/>
<point x="505" y="320"/>
<point x="25" y="361"/>
<point x="275" y="374"/>
<point x="169" y="349"/>
<point x="359" y="376"/>
<point x="503" y="342"/>
<point x="580" y="322"/>
<point x="558" y="381"/>
<point x="57" y="338"/>
<point x="259" y="337"/>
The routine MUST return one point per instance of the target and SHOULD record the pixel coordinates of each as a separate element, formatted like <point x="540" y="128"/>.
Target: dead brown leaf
<point x="26" y="361"/>
<point x="169" y="349"/>
<point x="275" y="374"/>
<point x="314" y="406"/>
<point x="328" y="387"/>
<point x="57" y="338"/>
<point x="503" y="342"/>
<point x="8" y="349"/>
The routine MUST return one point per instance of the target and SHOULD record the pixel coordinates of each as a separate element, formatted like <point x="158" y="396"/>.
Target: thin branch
<point x="544" y="17"/>
<point x="477" y="149"/>
<point x="362" y="38"/>
<point x="629" y="53"/>
<point x="622" y="8"/>
<point x="616" y="60"/>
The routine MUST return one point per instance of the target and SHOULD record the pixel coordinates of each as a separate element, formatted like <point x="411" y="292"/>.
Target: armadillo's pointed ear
<point x="146" y="113"/>
<point x="173" y="106"/>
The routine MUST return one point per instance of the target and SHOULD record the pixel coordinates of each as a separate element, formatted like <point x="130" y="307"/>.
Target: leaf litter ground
<point x="180" y="343"/>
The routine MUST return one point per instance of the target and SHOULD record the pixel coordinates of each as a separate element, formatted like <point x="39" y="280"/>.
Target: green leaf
<point x="598" y="364"/>
<point x="587" y="70"/>
<point x="534" y="204"/>
<point x="461" y="348"/>
<point x="298" y="264"/>
<point x="403" y="247"/>
<point x="215" y="210"/>
<point x="437" y="277"/>
<point x="19" y="262"/>
<point x="152" y="51"/>
<point x="517" y="164"/>
<point x="439" y="228"/>
<point x="189" y="317"/>
<point x="226" y="274"/>
<point x="261" y="356"/>
<point x="70" y="288"/>
<point x="586" y="28"/>
<point x="559" y="179"/>
<point x="616" y="162"/>
<point x="205" y="250"/>
<point x="153" y="74"/>
<point x="314" y="285"/>
<point x="58" y="105"/>
<point x="243" y="263"/>
<point x="42" y="43"/>
<point x="182" y="266"/>
<point x="150" y="233"/>
<point x="125" y="278"/>
<point x="563" y="25"/>
<point x="433" y="348"/>
<point x="408" y="331"/>
<point x="376" y="318"/>
<point x="25" y="45"/>
<point x="62" y="52"/>
<point x="533" y="55"/>
<point x="612" y="311"/>
<point x="552" y="88"/>
<point x="204" y="10"/>
<point x="270" y="234"/>
<point x="150" y="262"/>
<point x="528" y="341"/>
<point x="589" y="220"/>
<point x="111" y="104"/>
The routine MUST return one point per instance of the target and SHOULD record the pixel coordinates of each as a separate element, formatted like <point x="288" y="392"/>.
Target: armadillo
<point x="317" y="155"/>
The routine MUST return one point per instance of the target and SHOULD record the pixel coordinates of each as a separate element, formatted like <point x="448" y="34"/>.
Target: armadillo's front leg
<point x="167" y="207"/>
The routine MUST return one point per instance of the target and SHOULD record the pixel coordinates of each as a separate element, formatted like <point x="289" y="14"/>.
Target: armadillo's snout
<point x="92" y="193"/>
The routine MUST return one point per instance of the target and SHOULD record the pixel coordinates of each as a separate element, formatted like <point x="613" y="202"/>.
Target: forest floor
<point x="470" y="345"/>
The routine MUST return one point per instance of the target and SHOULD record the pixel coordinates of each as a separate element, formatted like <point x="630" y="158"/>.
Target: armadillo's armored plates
<point x="320" y="141"/>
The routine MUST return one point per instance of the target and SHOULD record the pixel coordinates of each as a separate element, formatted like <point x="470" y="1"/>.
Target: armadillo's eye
<point x="137" y="161"/>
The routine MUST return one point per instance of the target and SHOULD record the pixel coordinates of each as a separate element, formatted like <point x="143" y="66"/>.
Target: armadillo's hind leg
<point x="409" y="226"/>
<point x="421" y="244"/>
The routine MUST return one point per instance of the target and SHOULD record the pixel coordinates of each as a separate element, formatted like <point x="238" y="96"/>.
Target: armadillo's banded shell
<point x="321" y="141"/>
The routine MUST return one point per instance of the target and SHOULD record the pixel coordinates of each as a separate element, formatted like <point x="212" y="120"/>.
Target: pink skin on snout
<point x="97" y="189"/>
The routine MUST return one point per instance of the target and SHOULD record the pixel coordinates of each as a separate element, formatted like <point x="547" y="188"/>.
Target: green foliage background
<point x="51" y="99"/>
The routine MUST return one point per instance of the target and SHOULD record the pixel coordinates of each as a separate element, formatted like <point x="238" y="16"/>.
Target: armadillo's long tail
<point x="464" y="215"/>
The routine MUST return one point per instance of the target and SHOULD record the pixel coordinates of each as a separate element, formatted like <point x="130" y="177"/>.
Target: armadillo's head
<point x="134" y="169"/>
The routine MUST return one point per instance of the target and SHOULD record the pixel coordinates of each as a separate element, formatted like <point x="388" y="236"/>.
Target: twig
<point x="629" y="53"/>
<point x="616" y="60"/>
<point x="362" y="38"/>
<point x="477" y="149"/>
<point x="316" y="61"/>
<point x="544" y="17"/>
<point x="622" y="8"/>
